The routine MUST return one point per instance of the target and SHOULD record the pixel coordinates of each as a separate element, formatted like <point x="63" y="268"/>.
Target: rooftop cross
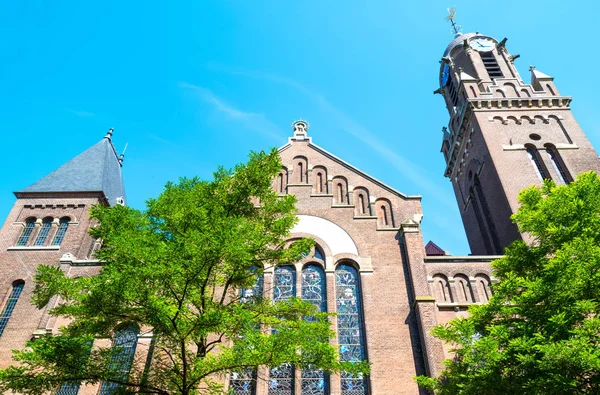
<point x="450" y="18"/>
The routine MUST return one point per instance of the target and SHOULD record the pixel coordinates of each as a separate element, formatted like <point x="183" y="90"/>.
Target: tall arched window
<point x="350" y="326"/>
<point x="124" y="345"/>
<point x="558" y="164"/>
<point x="243" y="381"/>
<point x="314" y="381"/>
<point x="11" y="302"/>
<point x="536" y="161"/>
<point x="40" y="240"/>
<point x="281" y="378"/>
<point x="26" y="233"/>
<point x="61" y="231"/>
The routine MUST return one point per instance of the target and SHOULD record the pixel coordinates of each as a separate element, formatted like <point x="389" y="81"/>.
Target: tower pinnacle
<point x="109" y="133"/>
<point x="300" y="128"/>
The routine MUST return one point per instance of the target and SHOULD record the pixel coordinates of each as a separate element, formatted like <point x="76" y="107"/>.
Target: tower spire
<point x="450" y="18"/>
<point x="109" y="133"/>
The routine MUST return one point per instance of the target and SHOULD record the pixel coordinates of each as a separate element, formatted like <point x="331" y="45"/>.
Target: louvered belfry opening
<point x="491" y="65"/>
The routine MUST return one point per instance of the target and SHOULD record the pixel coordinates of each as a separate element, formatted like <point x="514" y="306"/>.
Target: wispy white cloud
<point x="81" y="113"/>
<point x="250" y="120"/>
<point x="406" y="168"/>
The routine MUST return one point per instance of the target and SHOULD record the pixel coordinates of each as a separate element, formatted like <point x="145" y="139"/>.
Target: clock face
<point x="445" y="74"/>
<point x="482" y="44"/>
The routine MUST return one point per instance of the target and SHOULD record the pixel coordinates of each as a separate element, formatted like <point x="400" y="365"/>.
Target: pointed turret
<point x="542" y="82"/>
<point x="97" y="169"/>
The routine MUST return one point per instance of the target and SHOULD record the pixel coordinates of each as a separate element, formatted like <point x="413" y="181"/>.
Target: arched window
<point x="72" y="387"/>
<point x="484" y="289"/>
<point x="40" y="240"/>
<point x="11" y="302"/>
<point x="384" y="213"/>
<point x="61" y="231"/>
<point x="463" y="288"/>
<point x="281" y="181"/>
<point x="243" y="382"/>
<point x="350" y="326"/>
<point x="319" y="180"/>
<point x="361" y="202"/>
<point x="442" y="289"/>
<point x="124" y="345"/>
<point x="536" y="161"/>
<point x="300" y="174"/>
<point x="319" y="253"/>
<point x="26" y="233"/>
<point x="558" y="164"/>
<point x="281" y="378"/>
<point x="314" y="381"/>
<point x="340" y="191"/>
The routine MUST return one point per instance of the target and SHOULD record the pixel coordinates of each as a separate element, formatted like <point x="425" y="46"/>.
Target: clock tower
<point x="504" y="135"/>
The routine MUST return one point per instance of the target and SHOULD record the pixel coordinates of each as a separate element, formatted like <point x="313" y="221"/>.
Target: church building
<point x="370" y="264"/>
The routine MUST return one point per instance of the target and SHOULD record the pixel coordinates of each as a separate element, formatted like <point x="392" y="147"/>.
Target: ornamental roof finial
<point x="109" y="134"/>
<point x="456" y="28"/>
<point x="300" y="129"/>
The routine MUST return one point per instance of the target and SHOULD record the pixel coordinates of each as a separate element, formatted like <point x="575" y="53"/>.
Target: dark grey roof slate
<point x="97" y="169"/>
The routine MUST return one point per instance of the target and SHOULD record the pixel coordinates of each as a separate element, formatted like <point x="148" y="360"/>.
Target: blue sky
<point x="196" y="84"/>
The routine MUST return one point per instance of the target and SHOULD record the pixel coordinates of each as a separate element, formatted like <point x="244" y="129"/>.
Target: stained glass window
<point x="243" y="382"/>
<point x="281" y="378"/>
<point x="125" y="342"/>
<point x="43" y="235"/>
<point x="69" y="388"/>
<point x="319" y="254"/>
<point x="61" y="231"/>
<point x="24" y="238"/>
<point x="10" y="304"/>
<point x="350" y="329"/>
<point x="314" y="381"/>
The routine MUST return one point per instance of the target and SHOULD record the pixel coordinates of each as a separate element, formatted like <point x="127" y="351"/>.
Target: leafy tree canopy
<point x="176" y="271"/>
<point x="540" y="332"/>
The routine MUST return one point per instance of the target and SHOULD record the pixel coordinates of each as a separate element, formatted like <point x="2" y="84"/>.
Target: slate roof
<point x="432" y="249"/>
<point x="97" y="169"/>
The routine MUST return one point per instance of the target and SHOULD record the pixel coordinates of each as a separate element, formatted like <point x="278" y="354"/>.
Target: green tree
<point x="540" y="332"/>
<point x="177" y="270"/>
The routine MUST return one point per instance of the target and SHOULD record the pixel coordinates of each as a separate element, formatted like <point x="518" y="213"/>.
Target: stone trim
<point x="32" y="248"/>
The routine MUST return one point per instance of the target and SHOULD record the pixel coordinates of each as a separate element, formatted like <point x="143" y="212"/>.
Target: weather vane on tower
<point x="450" y="18"/>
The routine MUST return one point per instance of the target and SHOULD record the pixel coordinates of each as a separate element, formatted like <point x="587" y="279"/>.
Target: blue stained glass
<point x="281" y="378"/>
<point x="350" y="328"/>
<point x="314" y="381"/>
<point x="319" y="254"/>
<point x="61" y="231"/>
<point x="24" y="238"/>
<point x="43" y="235"/>
<point x="243" y="382"/>
<point x="69" y="388"/>
<point x="125" y="342"/>
<point x="10" y="304"/>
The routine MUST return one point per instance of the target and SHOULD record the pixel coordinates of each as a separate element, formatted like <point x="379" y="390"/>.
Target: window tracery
<point x="125" y="343"/>
<point x="350" y="327"/>
<point x="9" y="305"/>
<point x="281" y="378"/>
<point x="314" y="381"/>
<point x="26" y="233"/>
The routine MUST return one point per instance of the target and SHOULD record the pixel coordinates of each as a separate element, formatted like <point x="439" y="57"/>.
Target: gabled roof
<point x="300" y="135"/>
<point x="538" y="75"/>
<point x="432" y="249"/>
<point x="97" y="169"/>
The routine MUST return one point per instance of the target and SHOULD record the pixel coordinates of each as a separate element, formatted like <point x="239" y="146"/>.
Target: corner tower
<point x="48" y="225"/>
<point x="503" y="136"/>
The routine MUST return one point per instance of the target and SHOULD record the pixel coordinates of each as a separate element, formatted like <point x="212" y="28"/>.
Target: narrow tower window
<point x="10" y="304"/>
<point x="536" y="161"/>
<point x="43" y="235"/>
<point x="558" y="164"/>
<point x="491" y="64"/>
<point x="281" y="378"/>
<point x="452" y="92"/>
<point x="61" y="231"/>
<point x="350" y="327"/>
<point x="24" y="237"/>
<point x="314" y="381"/>
<point x="125" y="343"/>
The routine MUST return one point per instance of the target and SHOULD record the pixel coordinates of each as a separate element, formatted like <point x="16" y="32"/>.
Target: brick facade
<point x="355" y="219"/>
